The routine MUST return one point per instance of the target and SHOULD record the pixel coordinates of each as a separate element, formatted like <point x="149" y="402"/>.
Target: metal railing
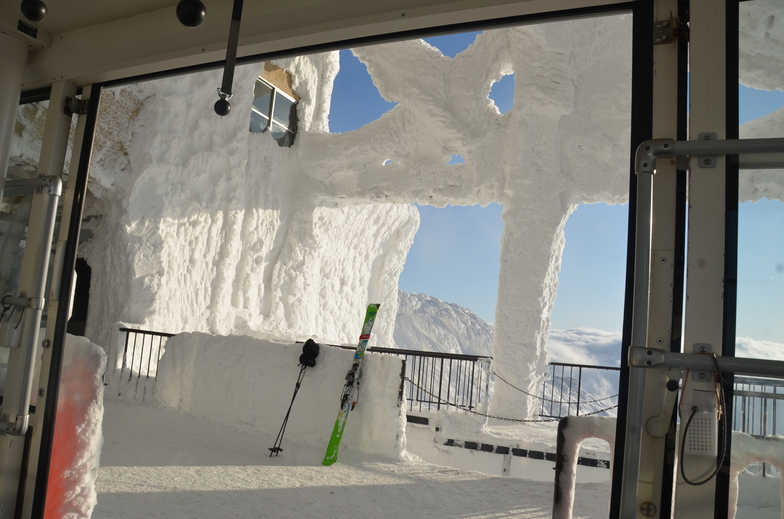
<point x="434" y="380"/>
<point x="756" y="404"/>
<point x="431" y="380"/>
<point x="563" y="393"/>
<point x="140" y="357"/>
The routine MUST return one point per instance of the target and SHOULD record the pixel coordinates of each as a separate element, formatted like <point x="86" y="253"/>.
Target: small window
<point x="269" y="100"/>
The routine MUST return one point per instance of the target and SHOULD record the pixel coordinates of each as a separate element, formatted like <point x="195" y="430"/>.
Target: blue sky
<point x="455" y="256"/>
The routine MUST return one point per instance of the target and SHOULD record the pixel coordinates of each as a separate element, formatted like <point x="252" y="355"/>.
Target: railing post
<point x="579" y="387"/>
<point x="440" y="383"/>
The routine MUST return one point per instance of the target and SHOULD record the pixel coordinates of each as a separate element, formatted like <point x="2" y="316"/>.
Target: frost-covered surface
<point x="200" y="225"/>
<point x="186" y="467"/>
<point x="242" y="381"/>
<point x="206" y="227"/>
<point x="429" y="324"/>
<point x="76" y="450"/>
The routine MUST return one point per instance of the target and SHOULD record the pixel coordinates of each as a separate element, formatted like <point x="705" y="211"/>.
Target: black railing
<point x="140" y="357"/>
<point x="435" y="380"/>
<point x="431" y="380"/>
<point x="563" y="392"/>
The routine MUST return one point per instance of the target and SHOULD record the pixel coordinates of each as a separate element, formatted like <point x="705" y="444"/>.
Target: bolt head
<point x="701" y="376"/>
<point x="707" y="162"/>
<point x="648" y="509"/>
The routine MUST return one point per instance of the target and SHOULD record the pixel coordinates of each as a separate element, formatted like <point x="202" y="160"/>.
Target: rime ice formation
<point x="205" y="226"/>
<point x="428" y="324"/>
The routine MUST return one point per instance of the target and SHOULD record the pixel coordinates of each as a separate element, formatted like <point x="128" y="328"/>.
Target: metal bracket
<point x="665" y="31"/>
<point x="702" y="348"/>
<point x="31" y="186"/>
<point x="33" y="303"/>
<point x="708" y="161"/>
<point x="641" y="357"/>
<point x="76" y="106"/>
<point x="707" y="147"/>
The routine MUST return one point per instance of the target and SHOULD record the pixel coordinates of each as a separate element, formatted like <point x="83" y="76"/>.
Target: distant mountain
<point x="429" y="324"/>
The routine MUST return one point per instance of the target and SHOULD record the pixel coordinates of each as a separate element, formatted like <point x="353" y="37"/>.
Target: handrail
<point x="147" y="332"/>
<point x="592" y="366"/>
<point x="415" y="353"/>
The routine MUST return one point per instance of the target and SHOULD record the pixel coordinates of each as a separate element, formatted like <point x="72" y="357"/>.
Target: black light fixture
<point x="33" y="10"/>
<point x="191" y="13"/>
<point x="222" y="105"/>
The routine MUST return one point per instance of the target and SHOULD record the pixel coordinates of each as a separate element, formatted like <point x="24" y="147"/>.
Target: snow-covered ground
<point x="157" y="463"/>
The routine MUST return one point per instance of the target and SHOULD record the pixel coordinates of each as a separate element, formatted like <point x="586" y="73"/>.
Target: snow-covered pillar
<point x="531" y="248"/>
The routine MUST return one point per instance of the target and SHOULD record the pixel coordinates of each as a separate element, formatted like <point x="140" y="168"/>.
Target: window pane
<point x="285" y="112"/>
<point x="284" y="137"/>
<point x="262" y="96"/>
<point x="258" y="123"/>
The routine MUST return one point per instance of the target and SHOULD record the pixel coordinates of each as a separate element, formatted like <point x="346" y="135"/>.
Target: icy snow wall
<point x="247" y="381"/>
<point x="200" y="225"/>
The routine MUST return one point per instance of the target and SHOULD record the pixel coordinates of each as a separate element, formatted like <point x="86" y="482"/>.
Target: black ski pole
<point x="310" y="351"/>
<point x="276" y="448"/>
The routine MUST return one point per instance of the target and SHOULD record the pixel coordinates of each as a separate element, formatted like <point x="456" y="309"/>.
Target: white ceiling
<point x="88" y="41"/>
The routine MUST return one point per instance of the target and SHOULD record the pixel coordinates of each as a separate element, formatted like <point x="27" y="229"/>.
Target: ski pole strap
<point x="231" y="51"/>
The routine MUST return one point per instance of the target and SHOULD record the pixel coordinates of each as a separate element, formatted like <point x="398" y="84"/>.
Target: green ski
<point x="353" y="378"/>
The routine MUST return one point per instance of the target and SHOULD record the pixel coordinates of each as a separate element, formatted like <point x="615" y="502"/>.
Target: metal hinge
<point x="76" y="106"/>
<point x="665" y="31"/>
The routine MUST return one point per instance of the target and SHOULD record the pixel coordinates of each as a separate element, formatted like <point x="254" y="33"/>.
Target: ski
<point x="353" y="378"/>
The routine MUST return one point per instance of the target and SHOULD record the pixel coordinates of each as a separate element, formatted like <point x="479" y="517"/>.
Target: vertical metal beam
<point x="623" y="499"/>
<point x="51" y="364"/>
<point x="32" y="281"/>
<point x="706" y="243"/>
<point x="651" y="477"/>
<point x="13" y="59"/>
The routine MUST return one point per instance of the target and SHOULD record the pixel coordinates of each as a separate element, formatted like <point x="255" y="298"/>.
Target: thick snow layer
<point x="429" y="324"/>
<point x="182" y="466"/>
<point x="77" y="443"/>
<point x="760" y="41"/>
<point x="246" y="381"/>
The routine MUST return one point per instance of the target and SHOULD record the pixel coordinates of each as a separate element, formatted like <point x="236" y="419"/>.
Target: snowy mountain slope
<point x="429" y="324"/>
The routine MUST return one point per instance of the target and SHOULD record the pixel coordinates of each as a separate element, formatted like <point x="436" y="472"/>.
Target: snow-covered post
<point x="572" y="430"/>
<point x="746" y="449"/>
<point x="531" y="250"/>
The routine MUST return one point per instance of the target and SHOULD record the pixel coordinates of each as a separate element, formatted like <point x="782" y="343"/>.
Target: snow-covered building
<point x="276" y="228"/>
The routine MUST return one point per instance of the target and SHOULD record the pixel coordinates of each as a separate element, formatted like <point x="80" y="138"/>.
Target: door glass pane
<point x="757" y="403"/>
